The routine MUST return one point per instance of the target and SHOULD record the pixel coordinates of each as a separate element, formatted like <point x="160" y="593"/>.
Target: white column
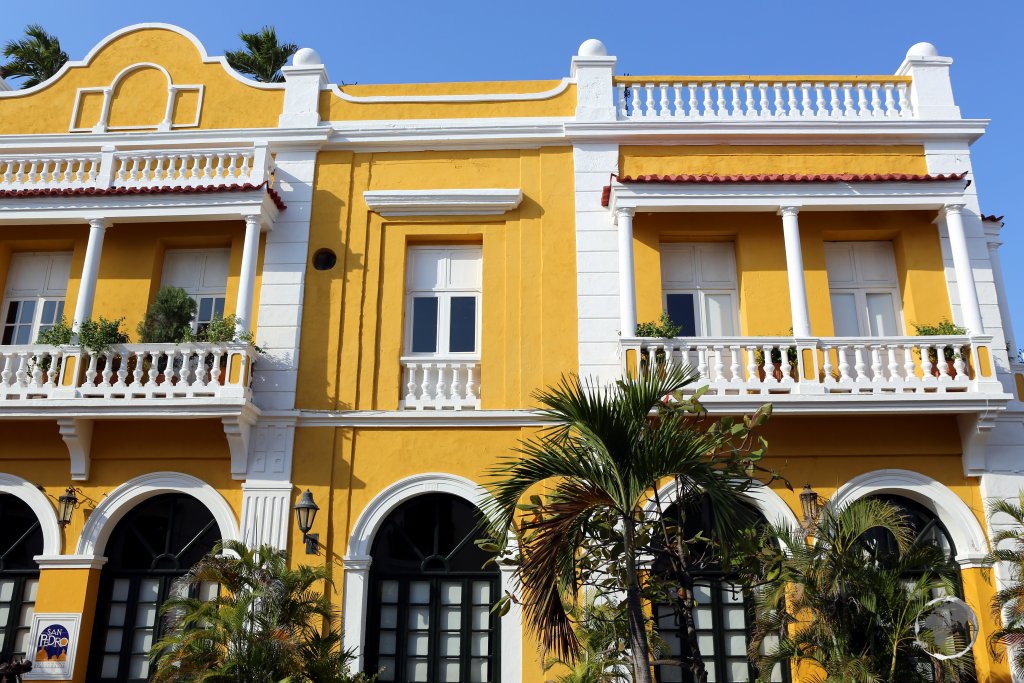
<point x="627" y="281"/>
<point x="969" y="307"/>
<point x="247" y="276"/>
<point x="1004" y="304"/>
<point x="795" y="270"/>
<point x="90" y="271"/>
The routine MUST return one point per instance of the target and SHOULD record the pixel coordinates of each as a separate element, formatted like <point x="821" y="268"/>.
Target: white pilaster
<point x="90" y="271"/>
<point x="795" y="271"/>
<point x="247" y="276"/>
<point x="966" y="287"/>
<point x="593" y="70"/>
<point x="267" y="491"/>
<point x="627" y="278"/>
<point x="994" y="243"/>
<point x="931" y="93"/>
<point x="303" y="81"/>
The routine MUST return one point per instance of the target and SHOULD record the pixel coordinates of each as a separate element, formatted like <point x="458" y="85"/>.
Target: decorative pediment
<point x="141" y="97"/>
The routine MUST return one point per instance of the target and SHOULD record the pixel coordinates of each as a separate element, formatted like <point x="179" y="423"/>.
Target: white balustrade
<point x="440" y="383"/>
<point x="882" y="97"/>
<point x="849" y="365"/>
<point x="127" y="371"/>
<point x="188" y="168"/>
<point x="57" y="172"/>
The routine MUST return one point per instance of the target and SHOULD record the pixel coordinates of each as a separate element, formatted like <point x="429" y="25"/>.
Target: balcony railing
<point x="744" y="366"/>
<point x="137" y="169"/>
<point x="779" y="98"/>
<point x="440" y="383"/>
<point x="126" y="372"/>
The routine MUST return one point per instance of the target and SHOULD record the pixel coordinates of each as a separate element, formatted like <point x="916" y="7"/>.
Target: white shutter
<point x="197" y="271"/>
<point x="864" y="288"/>
<point x="33" y="274"/>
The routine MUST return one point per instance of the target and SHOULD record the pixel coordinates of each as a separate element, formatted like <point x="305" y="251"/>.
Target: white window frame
<point x="698" y="287"/>
<point x="860" y="291"/>
<point x="444" y="295"/>
<point x="199" y="293"/>
<point x="41" y="297"/>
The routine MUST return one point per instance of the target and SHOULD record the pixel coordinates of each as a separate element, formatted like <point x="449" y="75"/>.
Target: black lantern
<point x="305" y="513"/>
<point x="810" y="504"/>
<point x="66" y="505"/>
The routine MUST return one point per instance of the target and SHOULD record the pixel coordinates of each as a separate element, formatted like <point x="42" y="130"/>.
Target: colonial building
<point x="415" y="261"/>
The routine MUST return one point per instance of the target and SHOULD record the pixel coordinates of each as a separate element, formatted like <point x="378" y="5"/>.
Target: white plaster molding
<point x="186" y="139"/>
<point x="77" y="436"/>
<point x="26" y="492"/>
<point x="482" y="97"/>
<point x="964" y="528"/>
<point x="357" y="562"/>
<point x="70" y="561"/>
<point x="167" y="124"/>
<point x="237" y="429"/>
<point x="131" y="29"/>
<point x="975" y="431"/>
<point x="302" y="87"/>
<point x="467" y="202"/>
<point x="419" y="418"/>
<point x="93" y="541"/>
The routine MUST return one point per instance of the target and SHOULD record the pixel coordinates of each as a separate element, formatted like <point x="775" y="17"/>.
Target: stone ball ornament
<point x="923" y="50"/>
<point x="592" y="48"/>
<point x="306" y="56"/>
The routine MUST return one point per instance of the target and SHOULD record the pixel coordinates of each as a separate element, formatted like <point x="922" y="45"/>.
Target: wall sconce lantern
<point x="810" y="504"/>
<point x="66" y="505"/>
<point x="305" y="513"/>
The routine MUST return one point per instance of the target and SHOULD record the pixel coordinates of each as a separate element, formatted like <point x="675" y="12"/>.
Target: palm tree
<point x="263" y="56"/>
<point x="607" y="450"/>
<point x="35" y="58"/>
<point x="600" y="629"/>
<point x="848" y="608"/>
<point x="268" y="623"/>
<point x="1008" y="603"/>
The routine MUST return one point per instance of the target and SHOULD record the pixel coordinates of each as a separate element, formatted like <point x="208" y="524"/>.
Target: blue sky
<point x="393" y="42"/>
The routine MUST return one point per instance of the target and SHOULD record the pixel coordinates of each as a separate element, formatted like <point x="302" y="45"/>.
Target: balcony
<point x="76" y="386"/>
<point x="440" y="383"/>
<point x="818" y="375"/>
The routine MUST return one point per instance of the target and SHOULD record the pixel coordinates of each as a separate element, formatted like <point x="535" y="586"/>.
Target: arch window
<point x="723" y="616"/>
<point x="21" y="539"/>
<point x="150" y="548"/>
<point x="430" y="616"/>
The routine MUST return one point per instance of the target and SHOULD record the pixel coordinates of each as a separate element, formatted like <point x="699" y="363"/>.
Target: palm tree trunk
<point x="638" y="647"/>
<point x="697" y="668"/>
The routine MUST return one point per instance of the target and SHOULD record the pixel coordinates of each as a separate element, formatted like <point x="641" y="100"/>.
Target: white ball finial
<point x="306" y="56"/>
<point x="592" y="48"/>
<point x="922" y="50"/>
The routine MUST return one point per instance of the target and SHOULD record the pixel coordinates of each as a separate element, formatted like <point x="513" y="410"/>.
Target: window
<point x="723" y="616"/>
<point x="431" y="596"/>
<point x="203" y="274"/>
<point x="863" y="289"/>
<point x="443" y="300"/>
<point x="151" y="547"/>
<point x="698" y="282"/>
<point x="34" y="296"/>
<point x="21" y="539"/>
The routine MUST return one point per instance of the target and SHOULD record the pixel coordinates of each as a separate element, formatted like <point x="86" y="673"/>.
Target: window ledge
<point x="471" y="202"/>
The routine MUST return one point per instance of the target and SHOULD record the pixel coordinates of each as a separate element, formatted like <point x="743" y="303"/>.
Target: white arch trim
<point x="964" y="528"/>
<point x="40" y="505"/>
<point x="357" y="565"/>
<point x="206" y="58"/>
<point x="111" y="509"/>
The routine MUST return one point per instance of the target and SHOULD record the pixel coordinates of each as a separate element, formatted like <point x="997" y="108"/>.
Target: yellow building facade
<point x="415" y="261"/>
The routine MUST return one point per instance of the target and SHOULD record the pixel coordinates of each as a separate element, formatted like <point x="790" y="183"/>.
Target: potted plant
<point x="97" y="336"/>
<point x="168" y="320"/>
<point x="59" y="334"/>
<point x="944" y="328"/>
<point x="222" y="331"/>
<point x="776" y="359"/>
<point x="662" y="327"/>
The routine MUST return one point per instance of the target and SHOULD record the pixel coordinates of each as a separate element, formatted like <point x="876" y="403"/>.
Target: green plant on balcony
<point x="59" y="334"/>
<point x="224" y="330"/>
<point x="662" y="327"/>
<point x="99" y="335"/>
<point x="169" y="318"/>
<point x="944" y="328"/>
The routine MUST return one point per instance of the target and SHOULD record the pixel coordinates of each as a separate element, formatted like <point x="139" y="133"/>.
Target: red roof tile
<point x="95" y="192"/>
<point x="992" y="218"/>
<point x="792" y="178"/>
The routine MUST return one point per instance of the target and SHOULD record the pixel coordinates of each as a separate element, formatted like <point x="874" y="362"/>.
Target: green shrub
<point x="662" y="327"/>
<point x="169" y="318"/>
<point x="100" y="335"/>
<point x="944" y="328"/>
<point x="58" y="335"/>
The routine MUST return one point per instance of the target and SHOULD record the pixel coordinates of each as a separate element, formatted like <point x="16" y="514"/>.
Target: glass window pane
<point x="28" y="312"/>
<point x="478" y="671"/>
<point x="424" y="324"/>
<point x="113" y="643"/>
<point x="146" y="616"/>
<point x="24" y="335"/>
<point x="419" y="592"/>
<point x="450" y="671"/>
<point x="205" y="309"/>
<point x="451" y="593"/>
<point x="881" y="315"/>
<point x="138" y="666"/>
<point x="389" y="591"/>
<point x="734" y="617"/>
<point x="5" y="612"/>
<point x="736" y="645"/>
<point x="110" y="666"/>
<point x="719" y="314"/>
<point x="462" y="333"/>
<point x="418" y="670"/>
<point x="451" y="645"/>
<point x="481" y="593"/>
<point x="388" y="643"/>
<point x="6" y="590"/>
<point x="844" y="315"/>
<point x="389" y="617"/>
<point x="12" y="313"/>
<point x="419" y="644"/>
<point x="149" y="590"/>
<point x="143" y="640"/>
<point x="479" y="642"/>
<point x="739" y="670"/>
<point x="49" y="310"/>
<point x="706" y="643"/>
<point x="680" y="309"/>
<point x="117" y="613"/>
<point x="218" y="307"/>
<point x="419" y="617"/>
<point x="120" y="591"/>
<point x="387" y="665"/>
<point x="451" y="618"/>
<point x="8" y="337"/>
<point x="60" y="310"/>
<point x="481" y="618"/>
<point x="703" y="617"/>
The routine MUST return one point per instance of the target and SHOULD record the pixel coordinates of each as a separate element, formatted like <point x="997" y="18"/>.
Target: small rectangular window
<point x="681" y="310"/>
<point x="424" y="324"/>
<point x="719" y="315"/>
<point x="844" y="315"/>
<point x="881" y="315"/>
<point x="462" y="335"/>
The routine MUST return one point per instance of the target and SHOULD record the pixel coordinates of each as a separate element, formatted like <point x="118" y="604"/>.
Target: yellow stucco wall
<point x="528" y="300"/>
<point x="140" y="100"/>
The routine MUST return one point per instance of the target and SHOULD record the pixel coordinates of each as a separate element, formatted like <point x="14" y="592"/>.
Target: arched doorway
<point x="723" y="616"/>
<point x="21" y="539"/>
<point x="152" y="545"/>
<point x="430" y="616"/>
